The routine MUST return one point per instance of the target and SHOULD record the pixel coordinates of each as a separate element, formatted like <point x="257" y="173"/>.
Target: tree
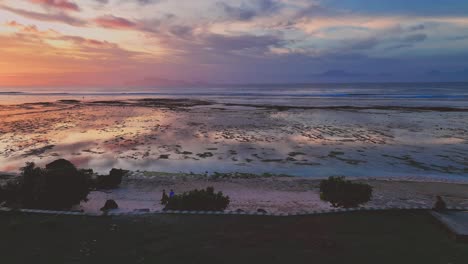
<point x="57" y="186"/>
<point x="343" y="193"/>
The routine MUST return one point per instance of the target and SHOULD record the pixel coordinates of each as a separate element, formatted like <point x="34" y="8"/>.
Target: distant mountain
<point x="162" y="82"/>
<point x="11" y="92"/>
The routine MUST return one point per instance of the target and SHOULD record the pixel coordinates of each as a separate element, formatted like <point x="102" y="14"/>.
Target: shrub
<point x="57" y="186"/>
<point x="9" y="193"/>
<point x="199" y="200"/>
<point x="343" y="193"/>
<point x="111" y="181"/>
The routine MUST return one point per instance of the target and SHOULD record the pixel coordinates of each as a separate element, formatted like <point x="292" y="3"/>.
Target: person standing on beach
<point x="171" y="194"/>
<point x="164" y="198"/>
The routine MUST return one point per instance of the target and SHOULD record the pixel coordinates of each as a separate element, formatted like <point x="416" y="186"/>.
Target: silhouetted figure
<point x="171" y="194"/>
<point x="439" y="204"/>
<point x="164" y="198"/>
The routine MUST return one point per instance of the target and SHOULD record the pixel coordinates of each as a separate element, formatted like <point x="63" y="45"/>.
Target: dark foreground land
<point x="362" y="237"/>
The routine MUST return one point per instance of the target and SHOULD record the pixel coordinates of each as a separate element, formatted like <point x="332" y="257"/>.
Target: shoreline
<point x="274" y="194"/>
<point x="181" y="102"/>
<point x="149" y="175"/>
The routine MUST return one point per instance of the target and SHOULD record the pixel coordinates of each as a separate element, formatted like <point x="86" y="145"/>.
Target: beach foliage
<point x="111" y="181"/>
<point x="344" y="193"/>
<point x="57" y="186"/>
<point x="199" y="200"/>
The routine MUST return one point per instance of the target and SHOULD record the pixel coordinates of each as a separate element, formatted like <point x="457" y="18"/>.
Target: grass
<point x="361" y="237"/>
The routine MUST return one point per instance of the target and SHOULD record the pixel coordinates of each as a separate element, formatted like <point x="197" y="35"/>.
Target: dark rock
<point x="109" y="205"/>
<point x="205" y="155"/>
<point x="144" y="210"/>
<point x="164" y="156"/>
<point x="260" y="210"/>
<point x="440" y="204"/>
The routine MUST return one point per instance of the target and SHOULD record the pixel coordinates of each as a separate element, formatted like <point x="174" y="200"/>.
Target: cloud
<point x="49" y="58"/>
<point x="240" y="42"/>
<point x="246" y="12"/>
<point x="415" y="38"/>
<point x="110" y="21"/>
<point x="364" y="44"/>
<point x="456" y="38"/>
<point x="59" y="4"/>
<point x="51" y="17"/>
<point x="417" y="27"/>
<point x="147" y="2"/>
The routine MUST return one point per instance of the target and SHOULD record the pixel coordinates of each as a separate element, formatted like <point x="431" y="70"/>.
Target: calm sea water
<point x="356" y="94"/>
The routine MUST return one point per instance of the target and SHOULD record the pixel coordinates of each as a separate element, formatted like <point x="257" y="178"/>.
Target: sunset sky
<point x="144" y="43"/>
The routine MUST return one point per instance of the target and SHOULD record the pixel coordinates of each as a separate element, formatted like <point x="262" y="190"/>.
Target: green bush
<point x="199" y="200"/>
<point x="9" y="192"/>
<point x="343" y="193"/>
<point x="57" y="186"/>
<point x="111" y="181"/>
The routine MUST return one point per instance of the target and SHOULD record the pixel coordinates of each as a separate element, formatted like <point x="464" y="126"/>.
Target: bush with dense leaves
<point x="199" y="200"/>
<point x="343" y="193"/>
<point x="111" y="181"/>
<point x="57" y="186"/>
<point x="9" y="192"/>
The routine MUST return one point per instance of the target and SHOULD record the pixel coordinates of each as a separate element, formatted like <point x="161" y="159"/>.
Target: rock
<point x="144" y="210"/>
<point x="205" y="155"/>
<point x="109" y="205"/>
<point x="164" y="156"/>
<point x="439" y="204"/>
<point x="260" y="210"/>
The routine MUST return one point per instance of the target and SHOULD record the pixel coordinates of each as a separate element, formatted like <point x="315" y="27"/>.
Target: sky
<point x="146" y="43"/>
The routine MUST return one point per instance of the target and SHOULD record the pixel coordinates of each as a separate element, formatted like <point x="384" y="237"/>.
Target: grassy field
<point x="361" y="237"/>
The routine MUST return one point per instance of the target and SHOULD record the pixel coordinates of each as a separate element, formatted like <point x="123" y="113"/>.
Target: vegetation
<point x="199" y="200"/>
<point x="343" y="193"/>
<point x="111" y="181"/>
<point x="57" y="186"/>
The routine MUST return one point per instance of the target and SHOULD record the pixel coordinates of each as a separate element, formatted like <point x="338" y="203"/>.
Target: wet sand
<point x="182" y="135"/>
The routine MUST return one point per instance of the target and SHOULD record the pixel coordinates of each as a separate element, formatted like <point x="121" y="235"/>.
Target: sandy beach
<point x="273" y="194"/>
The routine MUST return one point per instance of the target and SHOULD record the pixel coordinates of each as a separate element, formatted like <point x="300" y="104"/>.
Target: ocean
<point x="403" y="130"/>
<point x="326" y="94"/>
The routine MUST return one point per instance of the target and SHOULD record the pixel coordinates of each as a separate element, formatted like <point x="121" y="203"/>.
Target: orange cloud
<point x="61" y="17"/>
<point x="49" y="58"/>
<point x="111" y="21"/>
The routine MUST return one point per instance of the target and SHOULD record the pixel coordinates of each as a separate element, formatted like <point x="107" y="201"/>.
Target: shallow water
<point x="367" y="142"/>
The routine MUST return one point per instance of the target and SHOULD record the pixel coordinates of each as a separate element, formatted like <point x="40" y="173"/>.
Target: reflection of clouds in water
<point x="246" y="140"/>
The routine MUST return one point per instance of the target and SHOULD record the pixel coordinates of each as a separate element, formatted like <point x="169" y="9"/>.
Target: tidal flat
<point x="186" y="135"/>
